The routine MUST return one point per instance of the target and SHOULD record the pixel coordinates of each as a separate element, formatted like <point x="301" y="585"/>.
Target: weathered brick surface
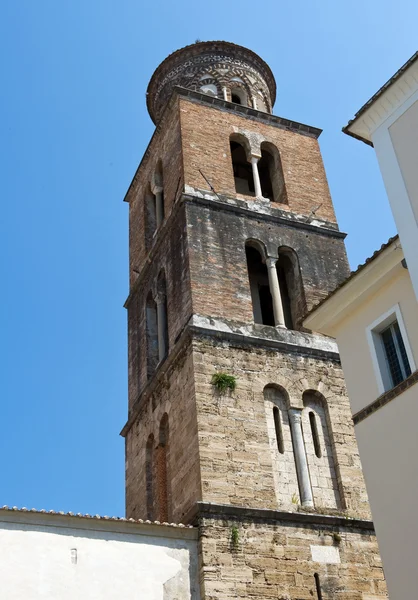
<point x="205" y="135"/>
<point x="173" y="395"/>
<point x="169" y="255"/>
<point x="165" y="146"/>
<point x="218" y="265"/>
<point x="274" y="560"/>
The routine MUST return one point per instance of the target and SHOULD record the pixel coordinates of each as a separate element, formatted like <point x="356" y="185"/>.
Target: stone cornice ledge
<point x="209" y="509"/>
<point x="263" y="336"/>
<point x="261" y="210"/>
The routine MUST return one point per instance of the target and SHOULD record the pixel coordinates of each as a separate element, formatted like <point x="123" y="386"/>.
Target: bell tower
<point x="238" y="418"/>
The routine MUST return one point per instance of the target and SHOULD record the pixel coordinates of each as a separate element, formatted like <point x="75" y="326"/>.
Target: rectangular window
<point x="392" y="357"/>
<point x="395" y="353"/>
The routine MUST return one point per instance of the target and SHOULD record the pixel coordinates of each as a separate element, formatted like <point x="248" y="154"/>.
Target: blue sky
<point x="73" y="129"/>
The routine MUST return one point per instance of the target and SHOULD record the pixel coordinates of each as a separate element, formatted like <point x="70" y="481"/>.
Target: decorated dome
<point x="219" y="69"/>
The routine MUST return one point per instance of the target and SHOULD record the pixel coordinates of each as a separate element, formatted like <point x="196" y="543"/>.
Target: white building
<point x="57" y="556"/>
<point x="389" y="122"/>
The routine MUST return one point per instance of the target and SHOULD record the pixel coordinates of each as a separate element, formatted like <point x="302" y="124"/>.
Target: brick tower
<point x="232" y="238"/>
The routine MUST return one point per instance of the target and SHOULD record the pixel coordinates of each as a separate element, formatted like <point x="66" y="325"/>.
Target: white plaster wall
<point x="352" y="340"/>
<point x="396" y="145"/>
<point x="388" y="445"/>
<point x="67" y="563"/>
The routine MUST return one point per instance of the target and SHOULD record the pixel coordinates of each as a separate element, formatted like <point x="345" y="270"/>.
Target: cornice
<point x="385" y="102"/>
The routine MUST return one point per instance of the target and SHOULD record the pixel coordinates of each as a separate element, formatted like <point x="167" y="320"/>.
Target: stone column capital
<point x="271" y="261"/>
<point x="295" y="416"/>
<point x="156" y="189"/>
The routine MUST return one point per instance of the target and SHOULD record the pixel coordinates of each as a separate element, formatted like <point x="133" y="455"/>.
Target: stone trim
<point x="385" y="398"/>
<point x="286" y="218"/>
<point x="247" y="111"/>
<point x="190" y="332"/>
<point x="225" y="511"/>
<point x="240" y="340"/>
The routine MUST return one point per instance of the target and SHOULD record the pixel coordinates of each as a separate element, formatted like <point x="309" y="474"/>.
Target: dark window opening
<point x="271" y="174"/>
<point x="283" y="267"/>
<point x="235" y="98"/>
<point x="150" y="219"/>
<point x="315" y="436"/>
<point x="395" y="352"/>
<point x="152" y="335"/>
<point x="278" y="428"/>
<point x="259" y="287"/>
<point x="243" y="173"/>
<point x="162" y="470"/>
<point x="149" y="466"/>
<point x="266" y="171"/>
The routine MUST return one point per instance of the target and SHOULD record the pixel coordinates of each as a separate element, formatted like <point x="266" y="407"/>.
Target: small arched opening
<point x="239" y="96"/>
<point x="291" y="287"/>
<point x="319" y="450"/>
<point x="271" y="174"/>
<point x="162" y="324"/>
<point x="152" y="334"/>
<point x="243" y="173"/>
<point x="150" y="218"/>
<point x="259" y="285"/>
<point x="149" y="476"/>
<point x="162" y="470"/>
<point x="159" y="193"/>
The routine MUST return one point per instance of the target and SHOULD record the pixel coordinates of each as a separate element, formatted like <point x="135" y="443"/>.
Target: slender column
<point x="159" y="204"/>
<point x="161" y="326"/>
<point x="275" y="292"/>
<point x="305" y="490"/>
<point x="225" y="93"/>
<point x="256" y="177"/>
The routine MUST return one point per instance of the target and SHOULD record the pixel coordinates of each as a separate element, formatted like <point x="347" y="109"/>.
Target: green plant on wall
<point x="223" y="382"/>
<point x="234" y="537"/>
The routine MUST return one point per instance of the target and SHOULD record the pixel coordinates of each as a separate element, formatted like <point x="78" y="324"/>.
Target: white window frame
<point x="377" y="351"/>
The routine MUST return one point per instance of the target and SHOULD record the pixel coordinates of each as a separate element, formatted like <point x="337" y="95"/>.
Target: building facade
<point x="56" y="556"/>
<point x="238" y="418"/>
<point x="389" y="122"/>
<point x="373" y="317"/>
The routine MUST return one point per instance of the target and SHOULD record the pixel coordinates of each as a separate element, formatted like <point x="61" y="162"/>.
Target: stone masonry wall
<point x="171" y="393"/>
<point x="169" y="255"/>
<point x="205" y="133"/>
<point x="218" y="265"/>
<point x="279" y="559"/>
<point x="235" y="454"/>
<point x="165" y="146"/>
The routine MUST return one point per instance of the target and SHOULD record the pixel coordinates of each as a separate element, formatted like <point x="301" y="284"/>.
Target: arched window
<point x="319" y="450"/>
<point x="238" y="96"/>
<point x="280" y="442"/>
<point x="162" y="470"/>
<point x="162" y="326"/>
<point x="149" y="476"/>
<point x="291" y="287"/>
<point x="152" y="335"/>
<point x="150" y="218"/>
<point x="259" y="286"/>
<point x="278" y="428"/>
<point x="271" y="174"/>
<point x="243" y="173"/>
<point x="315" y="435"/>
<point x="209" y="88"/>
<point x="158" y="184"/>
